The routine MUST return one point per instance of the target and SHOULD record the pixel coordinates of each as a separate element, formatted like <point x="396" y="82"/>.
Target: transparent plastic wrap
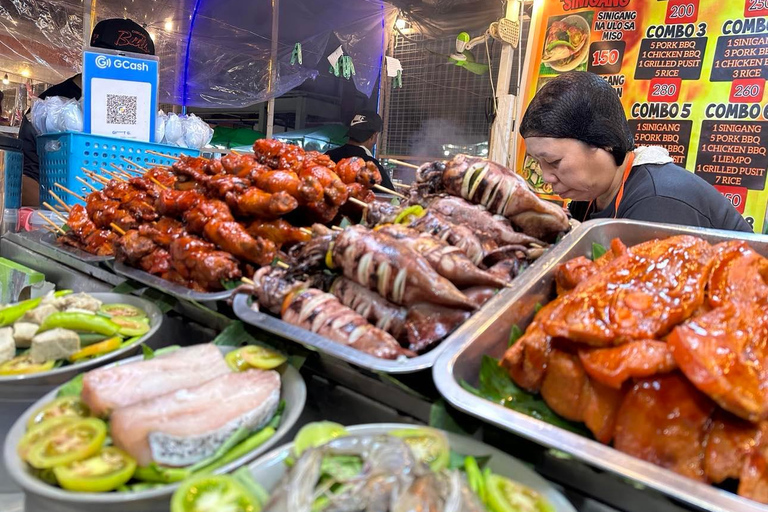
<point x="162" y="117"/>
<point x="56" y="114"/>
<point x="211" y="53"/>
<point x="197" y="133"/>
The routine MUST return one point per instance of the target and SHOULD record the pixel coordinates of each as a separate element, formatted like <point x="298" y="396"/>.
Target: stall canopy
<point x="212" y="52"/>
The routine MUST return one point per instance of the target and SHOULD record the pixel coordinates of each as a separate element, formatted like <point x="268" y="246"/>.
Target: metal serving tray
<point x="488" y="334"/>
<point x="49" y="239"/>
<point x="158" y="283"/>
<point x="243" y="311"/>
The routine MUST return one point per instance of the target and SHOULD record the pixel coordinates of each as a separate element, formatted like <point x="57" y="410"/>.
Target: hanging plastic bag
<point x="174" y="131"/>
<point x="162" y="118"/>
<point x="71" y="117"/>
<point x="197" y="133"/>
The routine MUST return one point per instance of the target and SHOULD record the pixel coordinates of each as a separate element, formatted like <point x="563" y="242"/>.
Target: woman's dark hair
<point x="582" y="106"/>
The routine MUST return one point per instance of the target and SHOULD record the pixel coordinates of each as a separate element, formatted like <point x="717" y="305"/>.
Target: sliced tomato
<point x="505" y="495"/>
<point x="70" y="406"/>
<point x="70" y="442"/>
<point x="23" y="365"/>
<point x="429" y="445"/>
<point x="106" y="471"/>
<point x="316" y="434"/>
<point x="39" y="431"/>
<point x="123" y="310"/>
<point x="254" y="356"/>
<point x="97" y="349"/>
<point x="213" y="493"/>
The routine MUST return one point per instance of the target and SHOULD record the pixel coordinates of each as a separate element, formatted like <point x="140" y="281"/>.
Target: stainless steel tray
<point x="488" y="334"/>
<point x="270" y="468"/>
<point x="276" y="326"/>
<point x="178" y="291"/>
<point x="41" y="497"/>
<point x="49" y="239"/>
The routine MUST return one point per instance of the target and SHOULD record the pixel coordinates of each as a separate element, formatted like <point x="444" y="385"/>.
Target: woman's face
<point x="575" y="170"/>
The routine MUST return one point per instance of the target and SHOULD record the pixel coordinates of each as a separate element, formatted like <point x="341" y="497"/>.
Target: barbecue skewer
<point x="337" y="228"/>
<point x="389" y="191"/>
<point x="94" y="176"/>
<point x="153" y="180"/>
<point x="62" y="187"/>
<point x="113" y="175"/>
<point x="404" y="164"/>
<point x="247" y="281"/>
<point x="49" y="221"/>
<point x="124" y="170"/>
<point x="306" y="231"/>
<point x="401" y="185"/>
<point x="50" y="230"/>
<point x="358" y="202"/>
<point x="58" y="200"/>
<point x="282" y="264"/>
<point x="55" y="212"/>
<point x="81" y="180"/>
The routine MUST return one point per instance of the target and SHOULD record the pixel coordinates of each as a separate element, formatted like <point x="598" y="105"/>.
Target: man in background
<point x="364" y="129"/>
<point x="112" y="34"/>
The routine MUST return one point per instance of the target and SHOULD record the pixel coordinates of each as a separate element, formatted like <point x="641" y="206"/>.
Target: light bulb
<point x="5" y="79"/>
<point x="25" y="73"/>
<point x="168" y="26"/>
<point x="400" y="23"/>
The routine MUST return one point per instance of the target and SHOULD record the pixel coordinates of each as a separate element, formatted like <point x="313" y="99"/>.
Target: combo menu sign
<point x="690" y="73"/>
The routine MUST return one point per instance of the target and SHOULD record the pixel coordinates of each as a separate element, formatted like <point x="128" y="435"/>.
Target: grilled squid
<point x="395" y="271"/>
<point x="323" y="314"/>
<point x="499" y="189"/>
<point x="450" y="262"/>
<point x="462" y="237"/>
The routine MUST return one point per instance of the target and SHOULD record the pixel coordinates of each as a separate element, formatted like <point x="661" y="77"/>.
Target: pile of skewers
<point x="392" y="286"/>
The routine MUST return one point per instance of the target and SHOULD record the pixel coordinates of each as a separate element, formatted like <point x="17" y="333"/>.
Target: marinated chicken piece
<point x="724" y="354"/>
<point x="448" y="261"/>
<point x="54" y="344"/>
<point x="322" y="313"/>
<point x="663" y="420"/>
<point x="500" y="190"/>
<point x="634" y="360"/>
<point x="640" y="295"/>
<point x="7" y="344"/>
<point x="40" y="313"/>
<point x="356" y="170"/>
<point x="23" y="332"/>
<point x="753" y="481"/>
<point x="738" y="274"/>
<point x="527" y="359"/>
<point x="334" y="191"/>
<point x="570" y="274"/>
<point x="729" y="443"/>
<point x="397" y="272"/>
<point x="257" y="203"/>
<point x="479" y="219"/>
<point x="199" y="263"/>
<point x="570" y="393"/>
<point x="280" y="232"/>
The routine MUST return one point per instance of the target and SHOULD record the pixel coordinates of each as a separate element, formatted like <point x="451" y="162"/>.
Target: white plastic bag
<point x="71" y="117"/>
<point x="162" y="117"/>
<point x="197" y="133"/>
<point x="174" y="131"/>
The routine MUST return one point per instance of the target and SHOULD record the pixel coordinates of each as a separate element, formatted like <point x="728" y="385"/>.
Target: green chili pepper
<point x="415" y="210"/>
<point x="91" y="338"/>
<point x="154" y="473"/>
<point x="560" y="42"/>
<point x="13" y="313"/>
<point x="62" y="293"/>
<point x="80" y="322"/>
<point x="241" y="449"/>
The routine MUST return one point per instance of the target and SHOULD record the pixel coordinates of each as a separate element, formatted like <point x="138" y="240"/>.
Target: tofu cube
<point x="54" y="344"/>
<point x="23" y="332"/>
<point x="40" y="313"/>
<point x="7" y="345"/>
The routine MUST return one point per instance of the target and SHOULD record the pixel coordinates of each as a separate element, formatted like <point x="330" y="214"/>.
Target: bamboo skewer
<point x="401" y="185"/>
<point x="55" y="212"/>
<point x="58" y="200"/>
<point x="112" y="175"/>
<point x="306" y="231"/>
<point x="358" y="202"/>
<point x="153" y="180"/>
<point x="404" y="164"/>
<point x="94" y="176"/>
<point x="247" y="281"/>
<point x="337" y="228"/>
<point x="50" y="230"/>
<point x="124" y="170"/>
<point x="81" y="180"/>
<point x="129" y="162"/>
<point x="62" y="187"/>
<point x="120" y="231"/>
<point x="236" y="153"/>
<point x="282" y="264"/>
<point x="49" y="221"/>
<point x="389" y="191"/>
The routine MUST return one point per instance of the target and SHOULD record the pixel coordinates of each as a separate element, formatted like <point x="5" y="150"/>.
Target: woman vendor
<point x="575" y="128"/>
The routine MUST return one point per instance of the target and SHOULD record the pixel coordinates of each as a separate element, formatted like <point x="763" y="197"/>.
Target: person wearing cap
<point x="112" y="34"/>
<point x="575" y="128"/>
<point x="363" y="131"/>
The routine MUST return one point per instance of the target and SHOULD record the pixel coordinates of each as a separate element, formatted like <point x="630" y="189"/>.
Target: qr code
<point x="121" y="109"/>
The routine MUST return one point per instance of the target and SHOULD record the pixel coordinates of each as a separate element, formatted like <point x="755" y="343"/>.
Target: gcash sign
<point x="120" y="95"/>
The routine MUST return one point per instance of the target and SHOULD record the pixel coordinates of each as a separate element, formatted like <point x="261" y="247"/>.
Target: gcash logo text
<point x="104" y="62"/>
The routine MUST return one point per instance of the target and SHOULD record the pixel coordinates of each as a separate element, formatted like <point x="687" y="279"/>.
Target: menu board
<point x="691" y="75"/>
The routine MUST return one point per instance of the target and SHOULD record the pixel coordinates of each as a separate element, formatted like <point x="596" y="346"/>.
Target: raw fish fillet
<point x="106" y="389"/>
<point x="188" y="425"/>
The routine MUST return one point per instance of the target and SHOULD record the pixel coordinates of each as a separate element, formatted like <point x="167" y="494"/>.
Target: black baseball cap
<point x="122" y="35"/>
<point x="365" y="124"/>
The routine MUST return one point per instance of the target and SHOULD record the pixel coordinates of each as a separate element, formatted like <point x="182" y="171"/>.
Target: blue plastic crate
<point x="63" y="156"/>
<point x="13" y="170"/>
